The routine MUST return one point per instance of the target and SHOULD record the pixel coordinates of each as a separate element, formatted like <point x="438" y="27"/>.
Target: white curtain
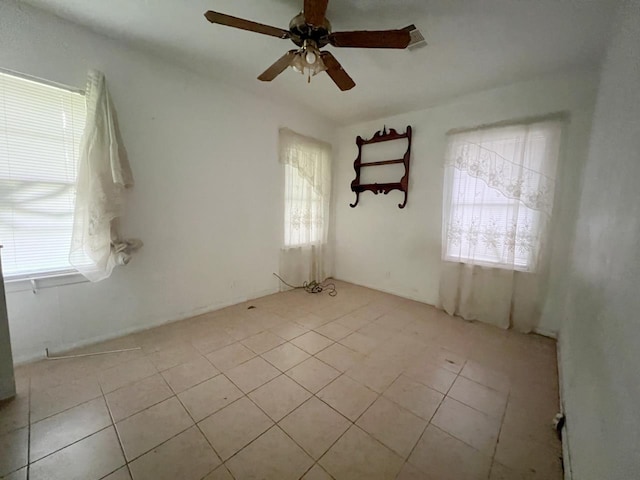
<point x="306" y="254"/>
<point x="498" y="199"/>
<point x="103" y="175"/>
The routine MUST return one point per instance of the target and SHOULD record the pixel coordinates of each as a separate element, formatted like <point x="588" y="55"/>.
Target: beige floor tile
<point x="214" y="341"/>
<point x="334" y="330"/>
<point x="14" y="413"/>
<point x="235" y="426"/>
<point x="279" y="397"/>
<point x="396" y="320"/>
<point x="392" y="425"/>
<point x="409" y="472"/>
<point x="189" y="374"/>
<point x="285" y="356"/>
<point x="500" y="472"/>
<point x="310" y="320"/>
<point x="273" y="456"/>
<point x="89" y="459"/>
<point x="47" y="374"/>
<point x="56" y="399"/>
<point x="252" y="374"/>
<point x="149" y="428"/>
<point x="315" y="426"/>
<point x="467" y="424"/>
<point x="340" y="357"/>
<point x="65" y="428"/>
<point x="230" y="356"/>
<point x="443" y="457"/>
<point x="289" y="330"/>
<point x="377" y="332"/>
<point x="357" y="319"/>
<point x="414" y="396"/>
<point x="312" y="342"/>
<point x="313" y="374"/>
<point x="120" y="474"/>
<point x="174" y="356"/>
<point x="220" y="473"/>
<point x="529" y="424"/>
<point x="187" y="456"/>
<point x="486" y="376"/>
<point x="437" y="378"/>
<point x="393" y="336"/>
<point x="115" y="377"/>
<point x="262" y="342"/>
<point x="133" y="398"/>
<point x="14" y="450"/>
<point x="316" y="473"/>
<point x="449" y="360"/>
<point x="209" y="397"/>
<point x="375" y="375"/>
<point x="348" y="397"/>
<point x="537" y="459"/>
<point x="17" y="475"/>
<point x="478" y="396"/>
<point x="357" y="456"/>
<point x="360" y="343"/>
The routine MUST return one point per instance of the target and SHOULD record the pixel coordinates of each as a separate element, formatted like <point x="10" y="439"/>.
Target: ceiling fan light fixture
<point x="308" y="61"/>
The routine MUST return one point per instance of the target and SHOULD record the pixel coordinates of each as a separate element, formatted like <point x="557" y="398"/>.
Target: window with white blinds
<point x="498" y="194"/>
<point x="40" y="131"/>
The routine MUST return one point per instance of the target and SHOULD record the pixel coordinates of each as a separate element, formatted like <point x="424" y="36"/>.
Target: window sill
<point x="302" y="245"/>
<point x="36" y="283"/>
<point x="490" y="265"/>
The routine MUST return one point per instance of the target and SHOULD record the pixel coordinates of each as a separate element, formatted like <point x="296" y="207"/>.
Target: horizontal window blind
<point x="498" y="194"/>
<point x="40" y="131"/>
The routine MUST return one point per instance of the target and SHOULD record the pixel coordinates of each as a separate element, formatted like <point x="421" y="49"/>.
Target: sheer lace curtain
<point x="103" y="175"/>
<point x="306" y="254"/>
<point x="498" y="199"/>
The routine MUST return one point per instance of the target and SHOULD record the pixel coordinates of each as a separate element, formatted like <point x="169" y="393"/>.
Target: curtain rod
<point x="43" y="81"/>
<point x="562" y="115"/>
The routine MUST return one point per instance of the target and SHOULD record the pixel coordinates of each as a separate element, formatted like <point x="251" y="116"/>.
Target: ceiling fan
<point x="310" y="31"/>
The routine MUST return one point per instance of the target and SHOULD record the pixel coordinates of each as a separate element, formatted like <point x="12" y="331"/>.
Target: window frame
<point x="45" y="278"/>
<point x="539" y="223"/>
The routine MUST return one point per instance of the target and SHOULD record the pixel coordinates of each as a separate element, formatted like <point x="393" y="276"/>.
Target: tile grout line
<point x="29" y="433"/>
<point x="196" y="424"/>
<point x="113" y="424"/>
<point x="432" y="416"/>
<point x="280" y="372"/>
<point x="495" y="448"/>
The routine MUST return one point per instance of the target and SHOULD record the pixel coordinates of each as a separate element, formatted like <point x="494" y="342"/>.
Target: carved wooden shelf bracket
<point x="376" y="188"/>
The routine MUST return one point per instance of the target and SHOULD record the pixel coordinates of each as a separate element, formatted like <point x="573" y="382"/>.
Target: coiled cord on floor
<point x="313" y="286"/>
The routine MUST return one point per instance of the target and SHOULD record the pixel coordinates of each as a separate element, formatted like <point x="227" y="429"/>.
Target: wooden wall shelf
<point x="376" y="188"/>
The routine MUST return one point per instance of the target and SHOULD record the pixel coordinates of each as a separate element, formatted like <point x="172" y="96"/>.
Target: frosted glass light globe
<point x="311" y="58"/>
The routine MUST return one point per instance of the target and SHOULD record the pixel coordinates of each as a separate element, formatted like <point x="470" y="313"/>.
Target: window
<point x="40" y="131"/>
<point x="307" y="168"/>
<point x="499" y="187"/>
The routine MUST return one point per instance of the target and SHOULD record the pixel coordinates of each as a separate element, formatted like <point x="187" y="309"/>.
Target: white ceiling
<point x="472" y="45"/>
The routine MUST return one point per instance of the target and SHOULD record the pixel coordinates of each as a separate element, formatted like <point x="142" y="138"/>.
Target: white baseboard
<point x="39" y="355"/>
<point x="546" y="333"/>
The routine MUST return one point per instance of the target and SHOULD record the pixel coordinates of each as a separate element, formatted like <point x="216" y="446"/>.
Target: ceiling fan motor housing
<point x="301" y="30"/>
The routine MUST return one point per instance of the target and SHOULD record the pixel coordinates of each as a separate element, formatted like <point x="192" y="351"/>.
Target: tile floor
<point x="364" y="385"/>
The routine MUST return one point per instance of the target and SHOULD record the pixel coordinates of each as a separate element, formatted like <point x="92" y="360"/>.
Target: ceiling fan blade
<point x="229" y="21"/>
<point x="375" y="39"/>
<point x="314" y="11"/>
<point x="278" y="67"/>
<point x="336" y="72"/>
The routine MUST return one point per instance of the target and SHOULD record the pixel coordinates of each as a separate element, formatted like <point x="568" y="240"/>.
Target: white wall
<point x="208" y="196"/>
<point x="600" y="338"/>
<point x="383" y="247"/>
<point x="7" y="379"/>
